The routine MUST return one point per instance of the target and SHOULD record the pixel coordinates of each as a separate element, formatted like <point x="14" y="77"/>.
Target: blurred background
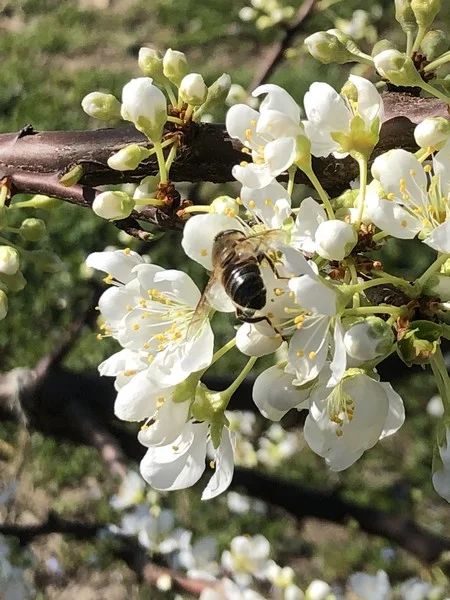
<point x="54" y="52"/>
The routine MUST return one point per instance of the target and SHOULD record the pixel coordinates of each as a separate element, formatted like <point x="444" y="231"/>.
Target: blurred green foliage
<point x="53" y="53"/>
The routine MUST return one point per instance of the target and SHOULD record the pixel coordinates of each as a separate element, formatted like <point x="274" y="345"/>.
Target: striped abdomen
<point x="244" y="284"/>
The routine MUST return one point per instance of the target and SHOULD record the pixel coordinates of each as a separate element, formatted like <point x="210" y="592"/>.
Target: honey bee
<point x="236" y="260"/>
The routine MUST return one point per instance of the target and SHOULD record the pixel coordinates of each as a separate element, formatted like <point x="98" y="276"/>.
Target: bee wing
<point x="266" y="240"/>
<point x="202" y="310"/>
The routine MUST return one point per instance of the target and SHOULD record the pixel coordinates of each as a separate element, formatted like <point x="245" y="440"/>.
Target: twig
<point x="276" y="52"/>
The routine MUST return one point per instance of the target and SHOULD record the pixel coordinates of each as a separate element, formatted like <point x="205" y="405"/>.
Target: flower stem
<point x="175" y="120"/>
<point x="161" y="162"/>
<point x="149" y="202"/>
<point x="171" y="157"/>
<point x="370" y="310"/>
<point x="440" y="373"/>
<point x="380" y="236"/>
<point x="385" y="279"/>
<point x="322" y="193"/>
<point x="196" y="208"/>
<point x="419" y="37"/>
<point x="409" y="42"/>
<point x="222" y="351"/>
<point x="362" y="162"/>
<point x="241" y="377"/>
<point x="434" y="92"/>
<point x="432" y="66"/>
<point x="171" y="95"/>
<point x="290" y="185"/>
<point x="440" y="260"/>
<point x="188" y="113"/>
<point x="3" y="194"/>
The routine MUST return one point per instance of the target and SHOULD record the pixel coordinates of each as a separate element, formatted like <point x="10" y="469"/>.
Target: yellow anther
<point x="150" y="358"/>
<point x="403" y="223"/>
<point x="312" y="355"/>
<point x="136" y="326"/>
<point x="412" y="172"/>
<point x="248" y="134"/>
<point x="252" y="204"/>
<point x="161" y="347"/>
<point x="108" y="279"/>
<point x="391" y="196"/>
<point x="244" y="163"/>
<point x="276" y="208"/>
<point x="145" y="346"/>
<point x="239" y="201"/>
<point x="339" y="432"/>
<point x="160" y="401"/>
<point x="212" y="464"/>
<point x="143" y="303"/>
<point x="268" y="201"/>
<point x="270" y="315"/>
<point x="129" y="307"/>
<point x="299" y="319"/>
<point x="204" y="252"/>
<point x="97" y="308"/>
<point x="130" y="372"/>
<point x="245" y="150"/>
<point x="144" y="427"/>
<point x="300" y="353"/>
<point x="127" y="251"/>
<point x="175" y="448"/>
<point x="291" y="295"/>
<point x="427" y="168"/>
<point x="99" y="336"/>
<point x="253" y="123"/>
<point x="278" y="292"/>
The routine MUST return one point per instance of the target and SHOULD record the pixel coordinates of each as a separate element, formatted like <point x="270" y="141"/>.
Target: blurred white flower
<point x="248" y="557"/>
<point x="371" y="587"/>
<point x="131" y="491"/>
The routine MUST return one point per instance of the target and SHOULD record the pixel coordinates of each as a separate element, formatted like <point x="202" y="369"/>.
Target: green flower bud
<point x="217" y="94"/>
<point x="346" y="200"/>
<point x="397" y="67"/>
<point x="193" y="89"/>
<point x="9" y="260"/>
<point x="404" y="15"/>
<point x="32" y="230"/>
<point x="419" y="342"/>
<point x="72" y="177"/>
<point x="349" y="43"/>
<point x="175" y="66"/>
<point x="151" y="64"/>
<point x="128" y="158"/>
<point x="383" y="45"/>
<point x="3" y="305"/>
<point x="39" y="201"/>
<point x="104" y="107"/>
<point x="434" y="44"/>
<point x="425" y="11"/>
<point x="46" y="261"/>
<point x="113" y="205"/>
<point x="327" y="48"/>
<point x="14" y="283"/>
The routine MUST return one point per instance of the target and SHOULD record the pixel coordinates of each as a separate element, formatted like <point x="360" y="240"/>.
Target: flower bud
<point x="383" y="45"/>
<point x="40" y="201"/>
<point x="419" y="342"/>
<point x="9" y="260"/>
<point x="326" y="48"/>
<point x="368" y="339"/>
<point x="349" y="43"/>
<point x="434" y="44"/>
<point x="14" y="283"/>
<point x="104" y="107"/>
<point x="32" y="230"/>
<point x="335" y="239"/>
<point x="217" y="94"/>
<point x="224" y="205"/>
<point x="404" y="15"/>
<point x="46" y="261"/>
<point x="3" y="305"/>
<point x="175" y="66"/>
<point x="425" y="11"/>
<point x="432" y="133"/>
<point x="113" y="205"/>
<point x="144" y="105"/>
<point x="193" y="89"/>
<point x="397" y="67"/>
<point x="147" y="188"/>
<point x="128" y="158"/>
<point x="346" y="200"/>
<point x="151" y="64"/>
<point x="318" y="590"/>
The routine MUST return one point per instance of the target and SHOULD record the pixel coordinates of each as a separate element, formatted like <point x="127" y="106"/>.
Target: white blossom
<point x="145" y="106"/>
<point x="247" y="557"/>
<point x="371" y="587"/>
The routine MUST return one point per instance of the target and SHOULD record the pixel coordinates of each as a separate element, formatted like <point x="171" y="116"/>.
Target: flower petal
<point x="274" y="393"/>
<point x="277" y="99"/>
<point x="118" y="263"/>
<point x="224" y="467"/>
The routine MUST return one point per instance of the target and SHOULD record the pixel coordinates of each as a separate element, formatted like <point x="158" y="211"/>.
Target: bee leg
<point x="271" y="264"/>
<point x="245" y="318"/>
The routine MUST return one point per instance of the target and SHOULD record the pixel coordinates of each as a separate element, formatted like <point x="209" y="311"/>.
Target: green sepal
<point x="420" y="342"/>
<point x="72" y="177"/>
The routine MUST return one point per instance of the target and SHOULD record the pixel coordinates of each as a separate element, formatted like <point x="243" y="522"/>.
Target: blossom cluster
<point x="245" y="569"/>
<point x="298" y="278"/>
